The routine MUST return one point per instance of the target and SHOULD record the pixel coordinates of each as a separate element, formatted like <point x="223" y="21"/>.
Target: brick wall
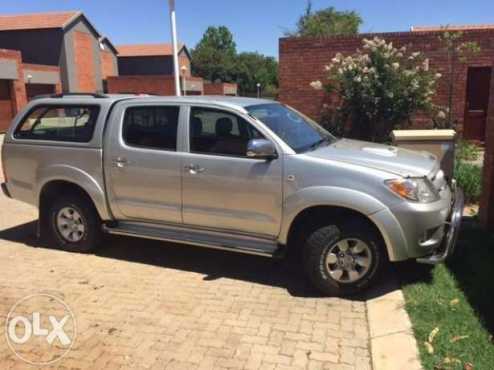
<point x="155" y="85"/>
<point x="194" y="85"/>
<point x="6" y="112"/>
<point x="84" y="62"/>
<point x="213" y="89"/>
<point x="303" y="60"/>
<point x="33" y="90"/>
<point x="220" y="88"/>
<point x="55" y="88"/>
<point x="108" y="64"/>
<point x="16" y="89"/>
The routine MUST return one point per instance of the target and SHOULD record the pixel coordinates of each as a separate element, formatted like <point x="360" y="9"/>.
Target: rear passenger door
<point x="142" y="163"/>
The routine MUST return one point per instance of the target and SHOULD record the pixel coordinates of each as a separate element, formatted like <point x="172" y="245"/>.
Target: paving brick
<point x="323" y="356"/>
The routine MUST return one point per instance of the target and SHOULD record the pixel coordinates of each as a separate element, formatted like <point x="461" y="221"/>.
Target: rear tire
<point x="343" y="260"/>
<point x="74" y="224"/>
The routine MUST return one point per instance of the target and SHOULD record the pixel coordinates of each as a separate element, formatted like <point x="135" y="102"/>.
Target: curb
<point x="392" y="342"/>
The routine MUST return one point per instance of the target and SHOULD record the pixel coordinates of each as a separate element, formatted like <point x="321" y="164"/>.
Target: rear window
<point x="59" y="123"/>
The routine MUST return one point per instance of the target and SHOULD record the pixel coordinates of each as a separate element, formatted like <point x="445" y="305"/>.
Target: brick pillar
<point x="487" y="198"/>
<point x="18" y="94"/>
<point x="58" y="88"/>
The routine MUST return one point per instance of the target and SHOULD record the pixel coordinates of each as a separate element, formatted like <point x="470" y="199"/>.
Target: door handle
<point x="194" y="169"/>
<point x="120" y="162"/>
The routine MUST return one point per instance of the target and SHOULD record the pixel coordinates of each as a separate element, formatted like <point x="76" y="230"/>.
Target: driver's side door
<point x="222" y="188"/>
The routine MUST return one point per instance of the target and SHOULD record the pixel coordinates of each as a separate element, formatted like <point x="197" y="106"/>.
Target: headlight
<point x="416" y="189"/>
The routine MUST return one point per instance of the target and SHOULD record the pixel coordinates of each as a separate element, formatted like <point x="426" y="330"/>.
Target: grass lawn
<point x="458" y="299"/>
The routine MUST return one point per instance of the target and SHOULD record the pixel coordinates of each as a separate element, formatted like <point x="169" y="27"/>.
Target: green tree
<point x="326" y="22"/>
<point x="215" y="59"/>
<point x="254" y="68"/>
<point x="214" y="56"/>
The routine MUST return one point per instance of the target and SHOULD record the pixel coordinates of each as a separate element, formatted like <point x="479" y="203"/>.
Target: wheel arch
<point x="324" y="203"/>
<point x="315" y="215"/>
<point x="72" y="179"/>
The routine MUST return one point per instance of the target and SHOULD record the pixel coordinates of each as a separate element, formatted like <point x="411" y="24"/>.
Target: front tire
<point x="343" y="260"/>
<point x="74" y="224"/>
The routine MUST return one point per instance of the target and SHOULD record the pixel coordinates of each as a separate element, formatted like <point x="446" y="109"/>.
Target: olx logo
<point x="34" y="328"/>
<point x="40" y="329"/>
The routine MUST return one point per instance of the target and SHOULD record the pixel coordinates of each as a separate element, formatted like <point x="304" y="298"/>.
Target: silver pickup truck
<point x="239" y="174"/>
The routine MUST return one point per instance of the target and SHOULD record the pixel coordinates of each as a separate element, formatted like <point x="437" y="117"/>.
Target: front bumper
<point x="452" y="225"/>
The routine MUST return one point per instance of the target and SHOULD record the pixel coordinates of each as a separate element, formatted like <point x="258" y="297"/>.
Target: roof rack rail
<point x="41" y="96"/>
<point x="94" y="95"/>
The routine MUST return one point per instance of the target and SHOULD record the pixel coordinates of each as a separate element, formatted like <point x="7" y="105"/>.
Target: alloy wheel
<point x="348" y="260"/>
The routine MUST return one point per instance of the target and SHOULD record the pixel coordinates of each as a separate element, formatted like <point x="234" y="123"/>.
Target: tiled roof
<point x="466" y="27"/>
<point x="144" y="50"/>
<point x="36" y="20"/>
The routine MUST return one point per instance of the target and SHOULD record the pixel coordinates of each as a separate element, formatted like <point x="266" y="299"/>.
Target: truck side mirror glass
<point x="261" y="149"/>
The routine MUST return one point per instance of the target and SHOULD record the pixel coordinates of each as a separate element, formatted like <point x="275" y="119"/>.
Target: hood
<point x="386" y="158"/>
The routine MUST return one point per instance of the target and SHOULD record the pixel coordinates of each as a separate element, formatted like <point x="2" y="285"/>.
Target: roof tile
<point x="36" y="20"/>
<point x="141" y="50"/>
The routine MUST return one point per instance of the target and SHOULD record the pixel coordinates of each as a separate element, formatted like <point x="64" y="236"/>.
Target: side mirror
<point x="261" y="149"/>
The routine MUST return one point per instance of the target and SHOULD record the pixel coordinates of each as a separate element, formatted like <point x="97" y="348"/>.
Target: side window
<point x="218" y="132"/>
<point x="59" y="123"/>
<point x="151" y="127"/>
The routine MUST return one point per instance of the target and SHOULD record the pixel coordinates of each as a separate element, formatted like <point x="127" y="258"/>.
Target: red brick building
<point x="47" y="53"/>
<point x="44" y="53"/>
<point x="66" y="40"/>
<point x="302" y="60"/>
<point x="148" y="69"/>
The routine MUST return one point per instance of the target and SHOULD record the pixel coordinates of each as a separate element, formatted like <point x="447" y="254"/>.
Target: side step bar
<point x="202" y="238"/>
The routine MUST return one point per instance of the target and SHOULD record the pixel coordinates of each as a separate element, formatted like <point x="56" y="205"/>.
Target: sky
<point x="256" y="24"/>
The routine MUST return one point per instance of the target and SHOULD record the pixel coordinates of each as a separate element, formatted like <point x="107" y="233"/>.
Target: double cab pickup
<point x="239" y="174"/>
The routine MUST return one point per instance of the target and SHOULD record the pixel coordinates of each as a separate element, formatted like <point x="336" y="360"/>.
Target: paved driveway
<point x="148" y="304"/>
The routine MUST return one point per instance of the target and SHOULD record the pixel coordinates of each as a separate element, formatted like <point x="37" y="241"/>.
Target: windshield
<point x="298" y="131"/>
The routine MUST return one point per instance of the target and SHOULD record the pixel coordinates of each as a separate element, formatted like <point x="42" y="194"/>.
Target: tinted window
<point x="151" y="127"/>
<point x="219" y="132"/>
<point x="67" y="123"/>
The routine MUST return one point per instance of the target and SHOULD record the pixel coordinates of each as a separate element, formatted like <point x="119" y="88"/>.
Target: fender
<point x="345" y="198"/>
<point x="77" y="177"/>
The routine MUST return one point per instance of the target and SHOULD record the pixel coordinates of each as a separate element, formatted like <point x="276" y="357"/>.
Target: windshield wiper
<point x="318" y="143"/>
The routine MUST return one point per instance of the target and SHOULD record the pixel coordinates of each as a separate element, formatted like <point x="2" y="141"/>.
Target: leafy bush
<point x="469" y="178"/>
<point x="467" y="151"/>
<point x="333" y="121"/>
<point x="380" y="87"/>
